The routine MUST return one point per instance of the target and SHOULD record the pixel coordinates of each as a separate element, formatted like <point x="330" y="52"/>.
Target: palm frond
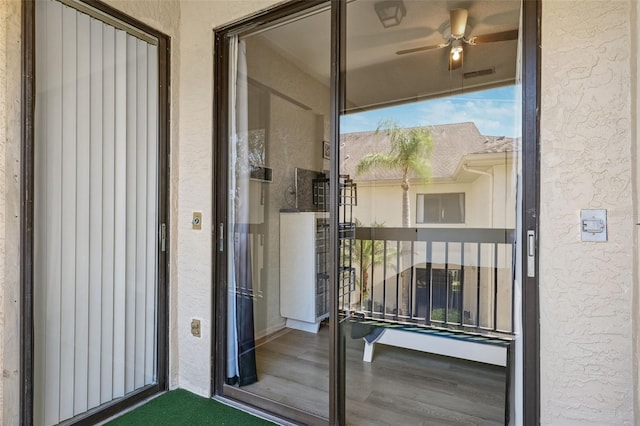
<point x="376" y="160"/>
<point x="410" y="151"/>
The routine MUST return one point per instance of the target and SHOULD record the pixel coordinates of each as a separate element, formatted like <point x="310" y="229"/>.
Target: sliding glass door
<point x="275" y="242"/>
<point x="431" y="134"/>
<point x="369" y="235"/>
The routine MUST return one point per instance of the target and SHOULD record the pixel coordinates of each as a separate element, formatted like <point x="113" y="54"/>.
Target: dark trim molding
<point x="27" y="218"/>
<point x="113" y="408"/>
<point x="26" y="213"/>
<point x="337" y="88"/>
<point x="219" y="188"/>
<point x="531" y="208"/>
<point x="164" y="156"/>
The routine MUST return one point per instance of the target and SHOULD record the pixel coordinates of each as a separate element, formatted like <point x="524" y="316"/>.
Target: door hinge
<point x="531" y="254"/>
<point x="163" y="237"/>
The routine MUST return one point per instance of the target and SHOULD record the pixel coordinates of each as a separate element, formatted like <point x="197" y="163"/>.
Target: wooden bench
<point x="457" y="344"/>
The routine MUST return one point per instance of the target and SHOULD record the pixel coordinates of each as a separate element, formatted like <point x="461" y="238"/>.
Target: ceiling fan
<point x="457" y="39"/>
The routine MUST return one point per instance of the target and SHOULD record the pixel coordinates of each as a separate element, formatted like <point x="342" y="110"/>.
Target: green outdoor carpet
<point x="180" y="407"/>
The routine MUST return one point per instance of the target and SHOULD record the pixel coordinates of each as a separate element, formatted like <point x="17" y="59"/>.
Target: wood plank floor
<point x="400" y="386"/>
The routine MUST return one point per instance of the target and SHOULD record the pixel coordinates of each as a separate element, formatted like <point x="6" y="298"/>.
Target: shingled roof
<point x="451" y="142"/>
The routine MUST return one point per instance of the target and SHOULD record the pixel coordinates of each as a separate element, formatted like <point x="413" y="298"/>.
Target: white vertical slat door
<point x="96" y="218"/>
<point x="131" y="102"/>
<point x="95" y="215"/>
<point x="81" y="359"/>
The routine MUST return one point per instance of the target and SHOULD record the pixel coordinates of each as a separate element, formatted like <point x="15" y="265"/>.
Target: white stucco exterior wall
<point x="10" y="58"/>
<point x="194" y="270"/>
<point x="3" y="114"/>
<point x="586" y="288"/>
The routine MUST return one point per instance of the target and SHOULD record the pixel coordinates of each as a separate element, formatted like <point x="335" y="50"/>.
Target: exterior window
<point x="440" y="208"/>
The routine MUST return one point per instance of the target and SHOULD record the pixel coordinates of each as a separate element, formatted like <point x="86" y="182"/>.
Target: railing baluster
<point x="446" y="282"/>
<point x="513" y="288"/>
<point x="478" y="285"/>
<point x="461" y="284"/>
<point x="399" y="267"/>
<point x="411" y="276"/>
<point x="495" y="287"/>
<point x="371" y="276"/>
<point x="362" y="275"/>
<point x="384" y="275"/>
<point x="429" y="281"/>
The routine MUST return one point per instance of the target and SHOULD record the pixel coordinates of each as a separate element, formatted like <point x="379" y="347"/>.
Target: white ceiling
<point x="377" y="75"/>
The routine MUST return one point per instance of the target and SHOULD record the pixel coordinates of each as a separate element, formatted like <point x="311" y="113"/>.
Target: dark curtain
<point x="244" y="307"/>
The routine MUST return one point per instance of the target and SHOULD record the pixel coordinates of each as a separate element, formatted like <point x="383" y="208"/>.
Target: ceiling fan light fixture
<point x="456" y="50"/>
<point x="390" y="12"/>
<point x="456" y="53"/>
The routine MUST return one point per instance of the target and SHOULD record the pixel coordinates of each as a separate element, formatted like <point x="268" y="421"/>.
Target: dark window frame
<point x="27" y="218"/>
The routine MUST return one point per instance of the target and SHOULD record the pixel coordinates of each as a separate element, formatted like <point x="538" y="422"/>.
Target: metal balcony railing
<point x="456" y="278"/>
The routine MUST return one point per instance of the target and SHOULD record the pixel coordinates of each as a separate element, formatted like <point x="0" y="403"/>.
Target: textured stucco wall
<point x="586" y="146"/>
<point x="195" y="186"/>
<point x="10" y="55"/>
<point x="294" y="141"/>
<point x="3" y="133"/>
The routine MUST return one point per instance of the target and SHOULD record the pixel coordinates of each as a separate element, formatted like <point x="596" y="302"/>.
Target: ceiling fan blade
<point x="422" y="48"/>
<point x="494" y="37"/>
<point x="458" y="20"/>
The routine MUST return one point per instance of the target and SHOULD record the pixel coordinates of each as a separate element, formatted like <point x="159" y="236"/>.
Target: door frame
<point x="27" y="165"/>
<point x="531" y="32"/>
<point x="531" y="71"/>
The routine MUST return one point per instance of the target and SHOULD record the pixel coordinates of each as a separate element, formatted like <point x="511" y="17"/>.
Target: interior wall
<point x="586" y="150"/>
<point x="295" y="135"/>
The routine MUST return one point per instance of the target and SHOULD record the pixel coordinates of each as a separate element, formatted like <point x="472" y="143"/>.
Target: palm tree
<point x="410" y="151"/>
<point x="368" y="254"/>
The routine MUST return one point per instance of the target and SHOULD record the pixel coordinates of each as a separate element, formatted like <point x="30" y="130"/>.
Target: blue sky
<point x="495" y="112"/>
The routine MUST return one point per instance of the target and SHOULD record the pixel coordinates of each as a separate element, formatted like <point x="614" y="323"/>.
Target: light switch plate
<point x="593" y="225"/>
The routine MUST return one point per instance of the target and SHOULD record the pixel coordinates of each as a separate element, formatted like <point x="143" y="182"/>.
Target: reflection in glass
<point x="436" y="227"/>
<point x="278" y="218"/>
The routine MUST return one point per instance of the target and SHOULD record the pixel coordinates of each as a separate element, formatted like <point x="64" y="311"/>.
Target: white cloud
<point x="495" y="113"/>
<point x="492" y="117"/>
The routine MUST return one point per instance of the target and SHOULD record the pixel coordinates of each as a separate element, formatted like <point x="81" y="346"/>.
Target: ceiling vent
<point x="479" y="73"/>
